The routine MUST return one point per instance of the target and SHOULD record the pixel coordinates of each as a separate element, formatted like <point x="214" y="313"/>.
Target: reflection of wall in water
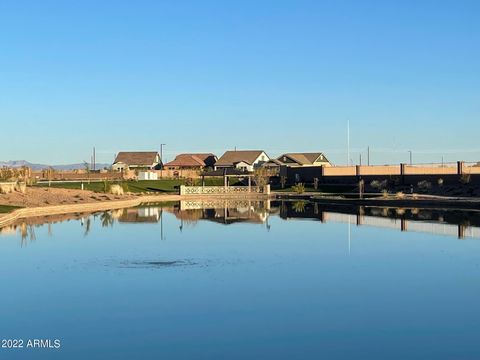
<point x="459" y="224"/>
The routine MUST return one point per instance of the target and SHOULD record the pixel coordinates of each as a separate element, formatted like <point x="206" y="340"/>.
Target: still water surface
<point x="244" y="280"/>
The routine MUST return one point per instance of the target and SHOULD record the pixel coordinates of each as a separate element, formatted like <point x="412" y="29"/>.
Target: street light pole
<point x="161" y="153"/>
<point x="410" y="151"/>
<point x="348" y="142"/>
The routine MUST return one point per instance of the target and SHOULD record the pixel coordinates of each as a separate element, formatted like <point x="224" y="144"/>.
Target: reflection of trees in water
<point x="87" y="225"/>
<point x="27" y="231"/>
<point x="107" y="219"/>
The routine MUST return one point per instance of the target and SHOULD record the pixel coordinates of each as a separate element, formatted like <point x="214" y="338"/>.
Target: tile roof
<point x="192" y="160"/>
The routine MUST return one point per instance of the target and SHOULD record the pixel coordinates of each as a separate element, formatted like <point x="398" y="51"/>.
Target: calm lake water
<point x="244" y="280"/>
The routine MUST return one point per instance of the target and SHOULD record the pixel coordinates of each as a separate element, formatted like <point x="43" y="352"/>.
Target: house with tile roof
<point x="192" y="162"/>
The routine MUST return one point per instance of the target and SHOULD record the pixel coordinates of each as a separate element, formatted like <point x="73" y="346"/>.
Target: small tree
<point x="465" y="179"/>
<point x="261" y="177"/>
<point x="86" y="167"/>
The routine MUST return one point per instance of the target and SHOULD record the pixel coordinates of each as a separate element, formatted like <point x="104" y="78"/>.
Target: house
<point x="302" y="167"/>
<point x="137" y="160"/>
<point x="272" y="167"/>
<point x="303" y="159"/>
<point x="245" y="160"/>
<point x="192" y="162"/>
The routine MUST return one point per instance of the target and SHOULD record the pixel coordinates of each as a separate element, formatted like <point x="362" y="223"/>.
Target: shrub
<point x="7" y="188"/>
<point x="116" y="189"/>
<point x="21" y="187"/>
<point x="440" y="182"/>
<point x="465" y="179"/>
<point x="424" y="185"/>
<point x="106" y="186"/>
<point x="378" y="185"/>
<point x="299" y="188"/>
<point x="189" y="182"/>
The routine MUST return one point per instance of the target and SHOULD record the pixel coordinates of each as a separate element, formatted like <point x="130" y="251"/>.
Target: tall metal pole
<point x="410" y="151"/>
<point x="161" y="152"/>
<point x="368" y="156"/>
<point x="348" y="142"/>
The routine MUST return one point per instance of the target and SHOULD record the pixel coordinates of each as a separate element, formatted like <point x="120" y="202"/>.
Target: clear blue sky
<point x="212" y="75"/>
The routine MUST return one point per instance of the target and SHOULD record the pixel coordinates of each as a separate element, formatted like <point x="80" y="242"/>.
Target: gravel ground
<point x="51" y="196"/>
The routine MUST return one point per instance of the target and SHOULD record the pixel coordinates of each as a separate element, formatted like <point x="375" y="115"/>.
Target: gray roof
<point x="136" y="157"/>
<point x="304" y="158"/>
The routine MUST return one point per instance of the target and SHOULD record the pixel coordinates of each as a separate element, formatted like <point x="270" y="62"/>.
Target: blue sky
<point x="211" y="75"/>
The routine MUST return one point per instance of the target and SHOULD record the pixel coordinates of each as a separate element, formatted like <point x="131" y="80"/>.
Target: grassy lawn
<point x="160" y="186"/>
<point x="7" y="208"/>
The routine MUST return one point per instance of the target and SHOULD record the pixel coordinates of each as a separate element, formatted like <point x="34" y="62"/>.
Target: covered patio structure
<point x="227" y="174"/>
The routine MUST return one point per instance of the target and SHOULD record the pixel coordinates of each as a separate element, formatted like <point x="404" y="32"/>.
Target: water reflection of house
<point x="224" y="211"/>
<point x="140" y="215"/>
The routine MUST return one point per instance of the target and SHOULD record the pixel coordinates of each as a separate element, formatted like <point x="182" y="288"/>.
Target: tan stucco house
<point x="303" y="159"/>
<point x="192" y="162"/>
<point x="244" y="160"/>
<point x="137" y="160"/>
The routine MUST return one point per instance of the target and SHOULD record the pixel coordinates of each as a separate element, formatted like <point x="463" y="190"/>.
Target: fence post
<point x="182" y="189"/>
<point x="460" y="165"/>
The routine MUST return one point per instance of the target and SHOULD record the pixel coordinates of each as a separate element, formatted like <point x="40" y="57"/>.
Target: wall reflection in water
<point x="454" y="223"/>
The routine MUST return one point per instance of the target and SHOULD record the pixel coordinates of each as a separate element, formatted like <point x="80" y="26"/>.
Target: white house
<point x="245" y="160"/>
<point x="137" y="160"/>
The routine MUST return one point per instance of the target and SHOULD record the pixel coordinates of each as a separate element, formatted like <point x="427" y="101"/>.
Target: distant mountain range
<point x="20" y="163"/>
